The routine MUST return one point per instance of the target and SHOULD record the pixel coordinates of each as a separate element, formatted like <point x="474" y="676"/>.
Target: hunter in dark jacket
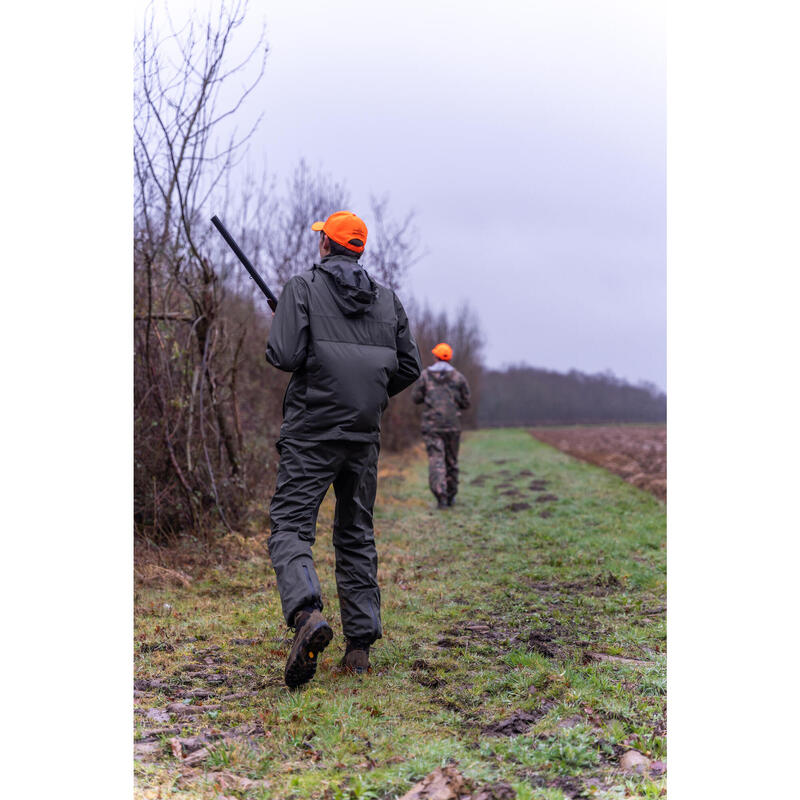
<point x="445" y="394"/>
<point x="347" y="342"/>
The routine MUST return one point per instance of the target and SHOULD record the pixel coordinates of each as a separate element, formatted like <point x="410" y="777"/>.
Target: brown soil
<point x="517" y="723"/>
<point x="637" y="453"/>
<point x="546" y="498"/>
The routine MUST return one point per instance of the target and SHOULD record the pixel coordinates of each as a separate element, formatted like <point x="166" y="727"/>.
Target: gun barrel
<point x="271" y="299"/>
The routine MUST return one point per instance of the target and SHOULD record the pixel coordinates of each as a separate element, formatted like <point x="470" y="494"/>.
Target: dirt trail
<point x="637" y="453"/>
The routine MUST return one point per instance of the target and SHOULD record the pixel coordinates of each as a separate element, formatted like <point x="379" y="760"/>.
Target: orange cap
<point x="443" y="351"/>
<point x="342" y="227"/>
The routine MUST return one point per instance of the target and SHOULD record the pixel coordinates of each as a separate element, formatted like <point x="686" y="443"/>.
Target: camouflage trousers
<point x="442" y="447"/>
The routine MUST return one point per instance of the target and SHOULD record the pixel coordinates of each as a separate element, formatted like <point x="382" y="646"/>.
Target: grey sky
<point x="529" y="138"/>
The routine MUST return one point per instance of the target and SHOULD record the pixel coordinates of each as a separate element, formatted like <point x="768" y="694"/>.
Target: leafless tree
<point x="393" y="245"/>
<point x="186" y="360"/>
<point x="281" y="222"/>
<point x="277" y="227"/>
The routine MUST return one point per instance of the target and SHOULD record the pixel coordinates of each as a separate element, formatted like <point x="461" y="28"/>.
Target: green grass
<point x="539" y="592"/>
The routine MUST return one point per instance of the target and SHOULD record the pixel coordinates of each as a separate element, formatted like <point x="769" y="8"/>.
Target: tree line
<point x="523" y="395"/>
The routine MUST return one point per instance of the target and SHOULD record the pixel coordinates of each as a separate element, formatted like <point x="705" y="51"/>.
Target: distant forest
<point x="523" y="395"/>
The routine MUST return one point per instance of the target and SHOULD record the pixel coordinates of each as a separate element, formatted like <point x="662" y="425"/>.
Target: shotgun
<point x="271" y="299"/>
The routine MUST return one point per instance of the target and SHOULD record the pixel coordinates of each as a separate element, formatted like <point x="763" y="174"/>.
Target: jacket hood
<point x="442" y="372"/>
<point x="353" y="290"/>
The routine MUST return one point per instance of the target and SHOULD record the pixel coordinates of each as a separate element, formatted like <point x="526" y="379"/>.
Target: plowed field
<point x="637" y="453"/>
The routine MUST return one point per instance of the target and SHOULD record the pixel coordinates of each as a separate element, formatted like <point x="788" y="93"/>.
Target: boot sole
<point x="345" y="667"/>
<point x="301" y="668"/>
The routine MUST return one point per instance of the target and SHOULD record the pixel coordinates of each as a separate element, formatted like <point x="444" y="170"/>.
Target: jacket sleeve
<point x="418" y="392"/>
<point x="409" y="364"/>
<point x="463" y="399"/>
<point x="288" y="335"/>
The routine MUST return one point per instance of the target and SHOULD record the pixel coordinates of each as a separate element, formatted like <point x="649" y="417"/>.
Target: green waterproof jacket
<point x="347" y="341"/>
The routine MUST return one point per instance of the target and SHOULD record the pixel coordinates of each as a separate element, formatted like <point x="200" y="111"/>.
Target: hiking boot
<point x="356" y="658"/>
<point x="312" y="636"/>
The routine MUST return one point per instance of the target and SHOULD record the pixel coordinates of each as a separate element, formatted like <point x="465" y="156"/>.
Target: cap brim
<point x="317" y="226"/>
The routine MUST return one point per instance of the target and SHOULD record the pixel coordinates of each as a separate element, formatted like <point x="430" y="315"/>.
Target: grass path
<point x="524" y="639"/>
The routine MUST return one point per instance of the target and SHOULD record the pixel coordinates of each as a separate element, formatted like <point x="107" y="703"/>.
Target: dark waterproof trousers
<point x="442" y="447"/>
<point x="306" y="471"/>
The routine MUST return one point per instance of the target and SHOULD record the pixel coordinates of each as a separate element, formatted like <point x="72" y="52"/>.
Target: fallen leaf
<point x="634" y="761"/>
<point x="445" y="783"/>
<point x="229" y="780"/>
<point x="198" y="756"/>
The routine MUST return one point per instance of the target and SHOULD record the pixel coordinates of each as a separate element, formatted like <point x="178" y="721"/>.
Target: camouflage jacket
<point x="444" y="391"/>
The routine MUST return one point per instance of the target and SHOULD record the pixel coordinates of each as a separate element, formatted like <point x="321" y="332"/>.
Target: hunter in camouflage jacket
<point x="444" y="393"/>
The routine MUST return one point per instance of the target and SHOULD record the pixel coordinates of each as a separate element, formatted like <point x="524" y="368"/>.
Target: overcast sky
<point x="530" y="140"/>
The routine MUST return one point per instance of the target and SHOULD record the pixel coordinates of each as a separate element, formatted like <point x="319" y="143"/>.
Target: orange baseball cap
<point x="443" y="351"/>
<point x="343" y="227"/>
